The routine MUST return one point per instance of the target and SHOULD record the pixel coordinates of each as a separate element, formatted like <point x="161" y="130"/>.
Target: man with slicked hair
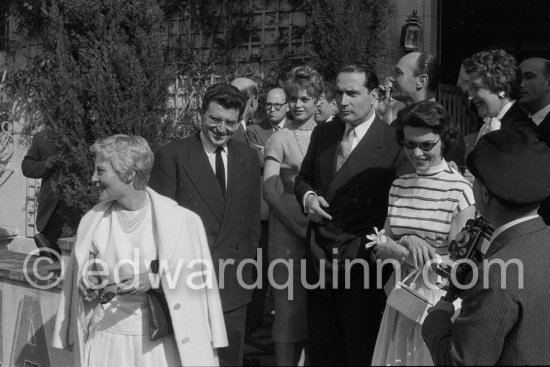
<point x="249" y="88"/>
<point x="417" y="77"/>
<point x="343" y="188"/>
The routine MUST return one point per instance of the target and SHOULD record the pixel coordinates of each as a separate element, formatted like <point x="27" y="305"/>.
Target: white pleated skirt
<point x="105" y="349"/>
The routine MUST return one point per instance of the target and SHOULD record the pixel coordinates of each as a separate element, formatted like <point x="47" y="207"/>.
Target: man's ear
<point x="333" y="106"/>
<point x="374" y="93"/>
<point x="486" y="195"/>
<point x="422" y="81"/>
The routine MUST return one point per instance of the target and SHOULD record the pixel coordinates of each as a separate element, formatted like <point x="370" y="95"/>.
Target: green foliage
<point x="101" y="72"/>
<point x="350" y="31"/>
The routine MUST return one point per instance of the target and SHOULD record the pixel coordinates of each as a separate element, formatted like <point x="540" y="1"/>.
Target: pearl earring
<point x="501" y="94"/>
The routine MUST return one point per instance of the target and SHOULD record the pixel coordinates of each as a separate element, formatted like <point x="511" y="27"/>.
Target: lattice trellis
<point x="263" y="31"/>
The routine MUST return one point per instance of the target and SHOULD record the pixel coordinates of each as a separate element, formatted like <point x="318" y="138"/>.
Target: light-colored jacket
<point x="196" y="314"/>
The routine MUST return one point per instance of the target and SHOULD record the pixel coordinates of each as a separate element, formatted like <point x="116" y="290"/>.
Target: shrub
<point x="350" y="31"/>
<point x="100" y="71"/>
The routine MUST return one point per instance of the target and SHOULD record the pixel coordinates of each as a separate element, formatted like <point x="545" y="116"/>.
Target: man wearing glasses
<point x="204" y="173"/>
<point x="276" y="109"/>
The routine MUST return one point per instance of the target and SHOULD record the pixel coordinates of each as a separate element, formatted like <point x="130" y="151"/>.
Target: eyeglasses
<point x="276" y="105"/>
<point x="425" y="146"/>
<point x="218" y="121"/>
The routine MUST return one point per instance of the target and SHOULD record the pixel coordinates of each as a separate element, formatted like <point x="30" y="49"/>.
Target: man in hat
<point x="505" y="315"/>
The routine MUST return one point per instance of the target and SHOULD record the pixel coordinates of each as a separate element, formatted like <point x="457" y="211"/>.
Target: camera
<point x="467" y="245"/>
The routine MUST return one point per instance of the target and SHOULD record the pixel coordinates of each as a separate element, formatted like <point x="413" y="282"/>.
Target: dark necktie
<point x="220" y="169"/>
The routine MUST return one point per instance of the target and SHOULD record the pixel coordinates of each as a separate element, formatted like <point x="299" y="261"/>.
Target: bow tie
<point x="490" y="124"/>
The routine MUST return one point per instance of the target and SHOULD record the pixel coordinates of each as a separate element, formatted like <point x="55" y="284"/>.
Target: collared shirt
<point x="540" y="115"/>
<point x="210" y="151"/>
<point x="360" y="130"/>
<point x="499" y="230"/>
<point x="281" y="125"/>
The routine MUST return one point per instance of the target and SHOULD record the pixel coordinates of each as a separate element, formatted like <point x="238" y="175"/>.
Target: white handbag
<point x="408" y="301"/>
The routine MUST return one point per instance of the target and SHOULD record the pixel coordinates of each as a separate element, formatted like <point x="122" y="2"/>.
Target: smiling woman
<point x="122" y="235"/>
<point x="426" y="209"/>
<point x="493" y="77"/>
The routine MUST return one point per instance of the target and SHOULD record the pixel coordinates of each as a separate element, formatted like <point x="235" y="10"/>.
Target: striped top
<point x="424" y="204"/>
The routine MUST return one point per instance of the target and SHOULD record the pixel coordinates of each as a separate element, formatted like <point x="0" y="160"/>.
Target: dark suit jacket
<point x="33" y="166"/>
<point x="544" y="135"/>
<point x="258" y="134"/>
<point x="357" y="193"/>
<point x="544" y="130"/>
<point x="515" y="118"/>
<point x="241" y="135"/>
<point x="182" y="172"/>
<point x="501" y="325"/>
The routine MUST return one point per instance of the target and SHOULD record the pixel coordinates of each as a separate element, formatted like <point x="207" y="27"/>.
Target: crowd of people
<point x="341" y="177"/>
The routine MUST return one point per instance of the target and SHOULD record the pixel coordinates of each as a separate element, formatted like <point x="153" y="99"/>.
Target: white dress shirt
<point x="210" y="151"/>
<point x="540" y="115"/>
<point x="360" y="131"/>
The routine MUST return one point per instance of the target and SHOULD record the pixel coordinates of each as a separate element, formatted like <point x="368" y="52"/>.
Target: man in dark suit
<point x="42" y="162"/>
<point x="219" y="179"/>
<point x="249" y="88"/>
<point x="534" y="96"/>
<point x="343" y="188"/>
<point x="504" y="318"/>
<point x="258" y="134"/>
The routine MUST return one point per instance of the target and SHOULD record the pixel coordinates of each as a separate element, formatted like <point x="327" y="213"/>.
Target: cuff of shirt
<point x="304" y="199"/>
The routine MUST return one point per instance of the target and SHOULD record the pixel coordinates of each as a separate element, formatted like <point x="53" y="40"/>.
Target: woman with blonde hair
<point x="284" y="153"/>
<point x="106" y="307"/>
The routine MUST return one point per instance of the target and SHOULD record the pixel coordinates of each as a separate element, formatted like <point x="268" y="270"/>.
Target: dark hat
<point x="513" y="164"/>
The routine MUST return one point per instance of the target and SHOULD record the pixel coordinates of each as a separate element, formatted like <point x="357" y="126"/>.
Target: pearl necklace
<point x="127" y="222"/>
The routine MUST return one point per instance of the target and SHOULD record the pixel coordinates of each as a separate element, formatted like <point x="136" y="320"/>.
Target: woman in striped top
<point x="426" y="209"/>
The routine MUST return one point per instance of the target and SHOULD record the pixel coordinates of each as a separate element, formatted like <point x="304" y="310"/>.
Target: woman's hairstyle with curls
<point x="304" y="77"/>
<point x="429" y="115"/>
<point x="499" y="70"/>
<point x="127" y="155"/>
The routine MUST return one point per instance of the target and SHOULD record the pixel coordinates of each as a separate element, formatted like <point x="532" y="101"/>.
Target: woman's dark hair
<point x="429" y="115"/>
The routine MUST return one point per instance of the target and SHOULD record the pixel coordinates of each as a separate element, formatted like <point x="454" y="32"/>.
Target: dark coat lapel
<point x="204" y="179"/>
<point x="365" y="154"/>
<point x="521" y="229"/>
<point x="544" y="129"/>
